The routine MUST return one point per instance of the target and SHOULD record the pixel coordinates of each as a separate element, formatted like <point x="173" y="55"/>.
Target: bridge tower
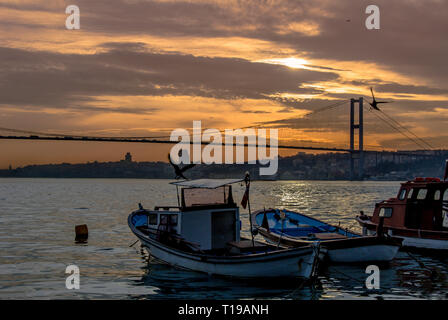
<point x="356" y="154"/>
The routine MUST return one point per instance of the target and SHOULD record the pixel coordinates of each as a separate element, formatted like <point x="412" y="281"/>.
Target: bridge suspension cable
<point x="380" y="115"/>
<point x="403" y="127"/>
<point x="99" y="137"/>
<point x="326" y="108"/>
<point x="397" y="127"/>
<point x="331" y="106"/>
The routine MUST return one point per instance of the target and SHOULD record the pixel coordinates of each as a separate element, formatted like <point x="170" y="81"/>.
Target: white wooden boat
<point x="202" y="234"/>
<point x="294" y="229"/>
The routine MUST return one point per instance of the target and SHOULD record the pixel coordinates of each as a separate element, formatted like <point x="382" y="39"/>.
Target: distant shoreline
<point x="300" y="167"/>
<point x="253" y="180"/>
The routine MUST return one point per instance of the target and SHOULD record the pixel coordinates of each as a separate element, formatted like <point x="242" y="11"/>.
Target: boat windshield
<point x="193" y="197"/>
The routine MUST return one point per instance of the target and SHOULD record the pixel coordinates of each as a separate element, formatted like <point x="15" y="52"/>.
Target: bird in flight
<point x="375" y="103"/>
<point x="178" y="170"/>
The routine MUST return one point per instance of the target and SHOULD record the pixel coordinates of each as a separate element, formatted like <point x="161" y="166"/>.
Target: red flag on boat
<point x="245" y="196"/>
<point x="445" y="176"/>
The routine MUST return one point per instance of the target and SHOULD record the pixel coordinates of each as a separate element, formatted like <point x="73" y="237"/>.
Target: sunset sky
<point x="144" y="68"/>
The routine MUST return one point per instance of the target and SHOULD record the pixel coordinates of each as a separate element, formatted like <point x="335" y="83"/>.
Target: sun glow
<point x="295" y="63"/>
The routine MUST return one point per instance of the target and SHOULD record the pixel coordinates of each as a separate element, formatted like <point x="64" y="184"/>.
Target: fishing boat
<point x="418" y="214"/>
<point x="295" y="229"/>
<point x="202" y="233"/>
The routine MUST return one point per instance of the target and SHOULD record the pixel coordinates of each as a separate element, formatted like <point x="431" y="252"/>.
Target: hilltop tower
<point x="128" y="157"/>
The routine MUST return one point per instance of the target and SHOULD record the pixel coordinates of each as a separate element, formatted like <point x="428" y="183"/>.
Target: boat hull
<point x="356" y="249"/>
<point x="372" y="253"/>
<point x="295" y="263"/>
<point x="424" y="241"/>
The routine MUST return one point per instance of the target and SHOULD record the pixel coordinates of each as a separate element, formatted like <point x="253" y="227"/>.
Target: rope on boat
<point x="316" y="279"/>
<point x="421" y="264"/>
<point x="434" y="271"/>
<point x="302" y="284"/>
<point x="133" y="244"/>
<point x="352" y="225"/>
<point x="348" y="276"/>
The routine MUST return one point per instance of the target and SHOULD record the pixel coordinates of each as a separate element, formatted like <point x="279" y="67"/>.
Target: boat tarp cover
<point x="206" y="183"/>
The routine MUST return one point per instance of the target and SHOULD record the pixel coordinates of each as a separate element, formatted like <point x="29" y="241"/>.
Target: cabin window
<point x="445" y="209"/>
<point x="445" y="220"/>
<point x="173" y="219"/>
<point x="152" y="218"/>
<point x="168" y="219"/>
<point x="421" y="194"/>
<point x="386" y="212"/>
<point x="437" y="195"/>
<point x="402" y="195"/>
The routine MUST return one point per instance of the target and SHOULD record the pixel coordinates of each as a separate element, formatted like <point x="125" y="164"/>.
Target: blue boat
<point x="293" y="229"/>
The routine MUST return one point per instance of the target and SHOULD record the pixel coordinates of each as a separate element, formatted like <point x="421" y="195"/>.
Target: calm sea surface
<point x="38" y="216"/>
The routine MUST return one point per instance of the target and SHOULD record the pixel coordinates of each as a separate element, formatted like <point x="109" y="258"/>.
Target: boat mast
<point x="246" y="200"/>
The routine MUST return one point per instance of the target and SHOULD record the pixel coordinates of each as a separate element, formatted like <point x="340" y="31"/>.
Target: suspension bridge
<point x="355" y="149"/>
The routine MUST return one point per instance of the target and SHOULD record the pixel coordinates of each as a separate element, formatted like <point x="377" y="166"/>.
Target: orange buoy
<point x="82" y="233"/>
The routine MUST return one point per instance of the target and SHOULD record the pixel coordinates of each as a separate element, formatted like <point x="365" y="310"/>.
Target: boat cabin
<point x="420" y="204"/>
<point x="206" y="218"/>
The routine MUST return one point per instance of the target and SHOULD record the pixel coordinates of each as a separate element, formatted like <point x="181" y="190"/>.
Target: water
<point x="37" y="219"/>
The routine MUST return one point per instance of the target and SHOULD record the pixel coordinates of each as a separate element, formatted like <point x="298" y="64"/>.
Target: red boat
<point x="418" y="215"/>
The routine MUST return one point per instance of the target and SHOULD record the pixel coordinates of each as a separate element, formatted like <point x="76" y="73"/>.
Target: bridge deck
<point x="98" y="139"/>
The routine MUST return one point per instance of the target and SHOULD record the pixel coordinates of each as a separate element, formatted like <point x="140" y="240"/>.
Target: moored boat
<point x="202" y="234"/>
<point x="418" y="215"/>
<point x="295" y="229"/>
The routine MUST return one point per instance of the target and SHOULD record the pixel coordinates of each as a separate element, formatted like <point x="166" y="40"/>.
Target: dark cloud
<point x="397" y="88"/>
<point x="325" y="68"/>
<point x="58" y="80"/>
<point x="255" y="111"/>
<point x="411" y="39"/>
